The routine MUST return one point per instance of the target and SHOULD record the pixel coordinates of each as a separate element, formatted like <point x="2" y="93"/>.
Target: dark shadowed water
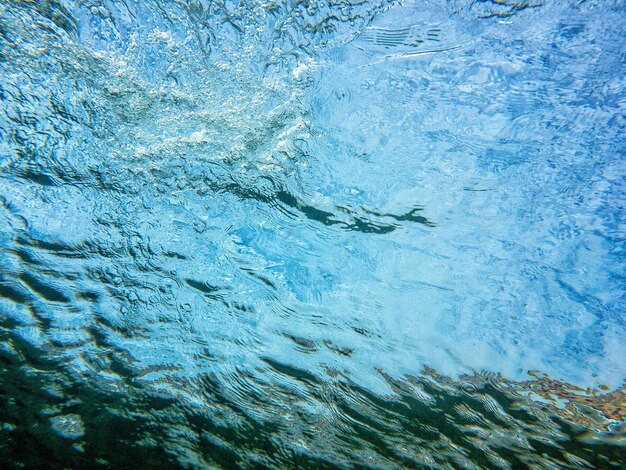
<point x="312" y="234"/>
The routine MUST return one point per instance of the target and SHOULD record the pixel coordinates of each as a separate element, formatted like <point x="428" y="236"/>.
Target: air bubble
<point x="69" y="426"/>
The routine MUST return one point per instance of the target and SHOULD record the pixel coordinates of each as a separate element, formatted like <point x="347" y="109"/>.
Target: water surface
<point x="312" y="234"/>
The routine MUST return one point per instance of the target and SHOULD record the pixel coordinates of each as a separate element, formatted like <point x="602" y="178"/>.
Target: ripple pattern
<point x="307" y="234"/>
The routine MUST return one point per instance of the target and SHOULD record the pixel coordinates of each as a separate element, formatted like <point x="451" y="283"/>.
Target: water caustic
<point x="312" y="234"/>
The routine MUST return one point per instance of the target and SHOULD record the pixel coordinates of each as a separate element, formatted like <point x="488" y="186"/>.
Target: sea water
<point x="312" y="234"/>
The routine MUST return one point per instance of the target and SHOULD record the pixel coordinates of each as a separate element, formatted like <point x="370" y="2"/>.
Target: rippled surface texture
<point x="312" y="234"/>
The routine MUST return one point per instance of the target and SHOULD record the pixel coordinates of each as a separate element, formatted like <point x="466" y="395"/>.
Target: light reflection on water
<point x="312" y="235"/>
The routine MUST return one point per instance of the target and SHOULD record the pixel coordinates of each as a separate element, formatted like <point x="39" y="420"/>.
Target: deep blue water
<point x="312" y="234"/>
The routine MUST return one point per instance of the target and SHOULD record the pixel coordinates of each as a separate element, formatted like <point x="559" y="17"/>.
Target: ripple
<point x="311" y="234"/>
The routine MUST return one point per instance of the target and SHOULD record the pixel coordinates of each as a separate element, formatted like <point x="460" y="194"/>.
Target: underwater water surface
<point x="312" y="234"/>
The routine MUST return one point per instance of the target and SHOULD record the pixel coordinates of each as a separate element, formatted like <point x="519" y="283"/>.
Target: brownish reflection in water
<point x="597" y="409"/>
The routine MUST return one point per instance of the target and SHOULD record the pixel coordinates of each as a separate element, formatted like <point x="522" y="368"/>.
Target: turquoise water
<point x="312" y="234"/>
